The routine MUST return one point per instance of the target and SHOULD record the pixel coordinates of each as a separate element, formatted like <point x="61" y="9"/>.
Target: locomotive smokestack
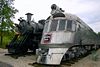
<point x="28" y="16"/>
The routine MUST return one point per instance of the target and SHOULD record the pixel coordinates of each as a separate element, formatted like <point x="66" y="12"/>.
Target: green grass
<point x="6" y="40"/>
<point x="95" y="56"/>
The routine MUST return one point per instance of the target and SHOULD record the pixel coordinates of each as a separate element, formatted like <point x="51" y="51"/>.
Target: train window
<point x="79" y="27"/>
<point x="62" y="24"/>
<point x="69" y="25"/>
<point x="46" y="26"/>
<point x="73" y="26"/>
<point x="53" y="25"/>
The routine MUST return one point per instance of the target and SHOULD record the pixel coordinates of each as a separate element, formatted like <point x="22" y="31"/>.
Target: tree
<point x="7" y="12"/>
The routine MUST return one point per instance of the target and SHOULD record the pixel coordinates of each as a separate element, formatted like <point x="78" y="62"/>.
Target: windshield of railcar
<point x="53" y="26"/>
<point x="59" y="25"/>
<point x="46" y="26"/>
<point x="70" y="25"/>
<point x="62" y="24"/>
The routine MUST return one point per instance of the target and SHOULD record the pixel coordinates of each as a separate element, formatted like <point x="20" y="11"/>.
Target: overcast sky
<point x="87" y="10"/>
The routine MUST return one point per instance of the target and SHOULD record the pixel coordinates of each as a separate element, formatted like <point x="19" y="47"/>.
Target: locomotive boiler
<point x="65" y="36"/>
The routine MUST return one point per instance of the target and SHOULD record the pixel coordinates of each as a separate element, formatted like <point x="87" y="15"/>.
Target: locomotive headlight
<point x="47" y="38"/>
<point x="41" y="51"/>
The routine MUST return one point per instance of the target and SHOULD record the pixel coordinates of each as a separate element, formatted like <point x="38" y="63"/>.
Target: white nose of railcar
<point x="53" y="57"/>
<point x="58" y="38"/>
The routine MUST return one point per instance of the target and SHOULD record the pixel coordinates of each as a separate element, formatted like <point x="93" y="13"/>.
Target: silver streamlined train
<point x="65" y="36"/>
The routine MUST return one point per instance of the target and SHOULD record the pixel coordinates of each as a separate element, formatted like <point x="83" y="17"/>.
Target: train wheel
<point x="79" y="51"/>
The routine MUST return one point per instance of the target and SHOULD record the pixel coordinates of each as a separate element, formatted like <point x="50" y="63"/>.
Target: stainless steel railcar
<point x="65" y="36"/>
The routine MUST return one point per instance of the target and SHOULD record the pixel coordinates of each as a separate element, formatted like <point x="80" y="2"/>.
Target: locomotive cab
<point x="58" y="32"/>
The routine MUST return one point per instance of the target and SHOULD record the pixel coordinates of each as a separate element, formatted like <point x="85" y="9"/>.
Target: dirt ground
<point x="20" y="62"/>
<point x="92" y="60"/>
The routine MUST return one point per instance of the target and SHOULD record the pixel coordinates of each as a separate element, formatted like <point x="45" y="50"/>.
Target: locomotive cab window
<point x="46" y="26"/>
<point x="71" y="25"/>
<point x="53" y="25"/>
<point x="62" y="24"/>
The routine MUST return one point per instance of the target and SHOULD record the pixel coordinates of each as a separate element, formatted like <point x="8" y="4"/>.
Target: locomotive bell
<point x="28" y="16"/>
<point x="56" y="9"/>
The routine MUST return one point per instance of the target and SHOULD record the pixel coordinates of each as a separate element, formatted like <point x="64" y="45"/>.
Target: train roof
<point x="70" y="16"/>
<point x="75" y="18"/>
<point x="58" y="12"/>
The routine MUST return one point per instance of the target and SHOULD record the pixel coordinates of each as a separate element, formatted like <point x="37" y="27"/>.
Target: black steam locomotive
<point x="27" y="37"/>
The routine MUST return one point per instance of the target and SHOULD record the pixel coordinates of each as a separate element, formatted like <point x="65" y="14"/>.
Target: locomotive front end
<point x="57" y="37"/>
<point x="58" y="32"/>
